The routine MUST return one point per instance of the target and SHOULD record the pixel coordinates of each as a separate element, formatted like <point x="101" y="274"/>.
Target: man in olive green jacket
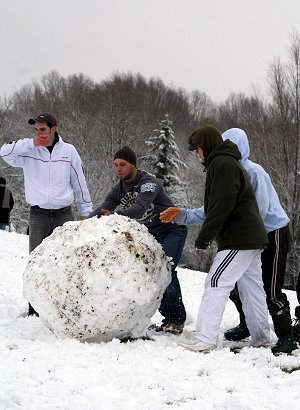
<point x="232" y="219"/>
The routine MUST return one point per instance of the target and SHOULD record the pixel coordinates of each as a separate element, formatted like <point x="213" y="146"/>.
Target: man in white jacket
<point x="53" y="174"/>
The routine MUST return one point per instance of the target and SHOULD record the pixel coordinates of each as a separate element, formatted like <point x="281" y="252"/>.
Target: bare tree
<point x="285" y="114"/>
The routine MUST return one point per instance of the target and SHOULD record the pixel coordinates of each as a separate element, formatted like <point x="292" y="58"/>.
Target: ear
<point x="54" y="129"/>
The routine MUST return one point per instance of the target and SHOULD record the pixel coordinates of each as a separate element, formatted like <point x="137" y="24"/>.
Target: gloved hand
<point x="169" y="214"/>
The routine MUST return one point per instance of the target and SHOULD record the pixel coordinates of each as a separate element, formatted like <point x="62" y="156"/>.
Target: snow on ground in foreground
<point x="39" y="371"/>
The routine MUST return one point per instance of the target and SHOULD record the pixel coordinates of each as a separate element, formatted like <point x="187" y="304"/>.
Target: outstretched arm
<point x="183" y="216"/>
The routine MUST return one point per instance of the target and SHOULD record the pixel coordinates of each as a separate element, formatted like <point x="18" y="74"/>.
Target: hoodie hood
<point x="207" y="137"/>
<point x="239" y="137"/>
<point x="225" y="148"/>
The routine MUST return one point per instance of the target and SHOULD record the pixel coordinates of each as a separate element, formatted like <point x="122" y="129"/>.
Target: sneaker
<point x="285" y="344"/>
<point x="196" y="345"/>
<point x="261" y="345"/>
<point x="173" y="327"/>
<point x="237" y="333"/>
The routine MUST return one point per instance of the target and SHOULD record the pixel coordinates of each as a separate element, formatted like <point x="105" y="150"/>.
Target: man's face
<point x="43" y="134"/>
<point x="199" y="152"/>
<point x="124" y="170"/>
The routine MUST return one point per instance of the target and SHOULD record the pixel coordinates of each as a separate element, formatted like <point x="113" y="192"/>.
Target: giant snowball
<point x="97" y="279"/>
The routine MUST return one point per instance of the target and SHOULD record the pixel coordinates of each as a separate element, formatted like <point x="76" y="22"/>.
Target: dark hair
<point x="2" y="181"/>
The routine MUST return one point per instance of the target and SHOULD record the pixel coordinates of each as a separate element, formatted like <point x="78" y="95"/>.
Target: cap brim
<point x="192" y="147"/>
<point x="32" y="121"/>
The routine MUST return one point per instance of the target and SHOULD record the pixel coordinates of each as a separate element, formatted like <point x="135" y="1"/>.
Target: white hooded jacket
<point x="271" y="211"/>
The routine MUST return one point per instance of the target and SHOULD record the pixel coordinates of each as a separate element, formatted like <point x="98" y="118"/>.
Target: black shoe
<point x="31" y="311"/>
<point x="33" y="314"/>
<point x="285" y="344"/>
<point x="156" y="328"/>
<point x="296" y="330"/>
<point x="237" y="333"/>
<point x="173" y="327"/>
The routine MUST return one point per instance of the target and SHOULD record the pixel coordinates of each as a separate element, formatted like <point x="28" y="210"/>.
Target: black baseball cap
<point x="44" y="119"/>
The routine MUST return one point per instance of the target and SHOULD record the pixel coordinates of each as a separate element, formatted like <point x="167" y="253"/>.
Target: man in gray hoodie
<point x="141" y="196"/>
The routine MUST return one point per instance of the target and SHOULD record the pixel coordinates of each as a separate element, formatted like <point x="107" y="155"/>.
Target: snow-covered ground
<point x="39" y="371"/>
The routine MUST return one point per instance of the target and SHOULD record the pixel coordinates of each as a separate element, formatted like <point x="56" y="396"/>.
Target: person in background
<point x="53" y="174"/>
<point x="6" y="204"/>
<point x="273" y="258"/>
<point x="232" y="219"/>
<point x="141" y="196"/>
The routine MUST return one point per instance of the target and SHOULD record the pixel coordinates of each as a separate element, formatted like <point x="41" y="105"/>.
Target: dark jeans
<point x="172" y="307"/>
<point x="42" y="223"/>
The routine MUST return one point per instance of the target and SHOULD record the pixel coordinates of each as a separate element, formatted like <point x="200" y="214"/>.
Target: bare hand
<point x="42" y="140"/>
<point x="169" y="214"/>
<point x="105" y="212"/>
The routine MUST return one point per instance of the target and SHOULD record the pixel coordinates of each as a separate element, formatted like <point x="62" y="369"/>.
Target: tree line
<point x="127" y="108"/>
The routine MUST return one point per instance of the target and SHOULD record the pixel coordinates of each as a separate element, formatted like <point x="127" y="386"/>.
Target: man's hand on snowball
<point x="105" y="212"/>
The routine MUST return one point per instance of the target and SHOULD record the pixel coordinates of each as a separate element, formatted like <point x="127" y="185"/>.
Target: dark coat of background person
<point x="6" y="202"/>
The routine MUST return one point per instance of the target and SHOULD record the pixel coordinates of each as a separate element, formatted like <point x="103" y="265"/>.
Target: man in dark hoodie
<point x="141" y="196"/>
<point x="232" y="219"/>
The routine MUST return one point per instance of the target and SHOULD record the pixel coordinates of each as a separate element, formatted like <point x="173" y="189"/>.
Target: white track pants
<point x="230" y="266"/>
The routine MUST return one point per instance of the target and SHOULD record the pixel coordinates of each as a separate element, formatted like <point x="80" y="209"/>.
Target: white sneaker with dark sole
<point x="196" y="345"/>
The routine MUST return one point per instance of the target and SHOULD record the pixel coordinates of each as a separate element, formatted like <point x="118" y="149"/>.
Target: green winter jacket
<point x="231" y="212"/>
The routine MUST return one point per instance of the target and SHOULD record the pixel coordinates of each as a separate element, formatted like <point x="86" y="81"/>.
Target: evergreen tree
<point x="164" y="161"/>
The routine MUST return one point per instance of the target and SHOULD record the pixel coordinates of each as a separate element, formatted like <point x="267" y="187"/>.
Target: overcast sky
<point x="215" y="46"/>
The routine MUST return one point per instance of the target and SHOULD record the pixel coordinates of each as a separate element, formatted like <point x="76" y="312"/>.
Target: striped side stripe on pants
<point x="223" y="265"/>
